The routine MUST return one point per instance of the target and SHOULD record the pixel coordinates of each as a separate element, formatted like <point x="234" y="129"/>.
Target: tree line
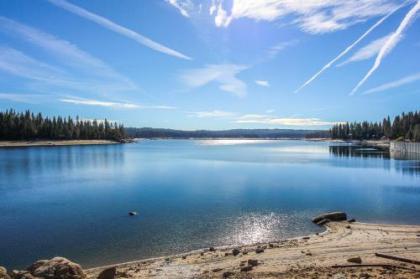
<point x="403" y="127"/>
<point x="28" y="126"/>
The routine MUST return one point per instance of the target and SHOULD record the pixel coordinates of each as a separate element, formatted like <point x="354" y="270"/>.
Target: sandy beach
<point x="325" y="255"/>
<point x="53" y="143"/>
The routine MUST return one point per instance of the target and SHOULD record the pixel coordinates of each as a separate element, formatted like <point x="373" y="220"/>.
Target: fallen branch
<point x="401" y="259"/>
<point x="389" y="266"/>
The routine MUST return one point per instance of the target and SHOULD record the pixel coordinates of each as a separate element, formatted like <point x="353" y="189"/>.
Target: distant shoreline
<point x="28" y="143"/>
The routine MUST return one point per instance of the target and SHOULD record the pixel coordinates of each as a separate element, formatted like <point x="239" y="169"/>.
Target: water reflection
<point x="406" y="163"/>
<point x="359" y="151"/>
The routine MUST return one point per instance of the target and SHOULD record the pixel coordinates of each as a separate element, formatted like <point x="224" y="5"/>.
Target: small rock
<point x="306" y="237"/>
<point x="211" y="249"/>
<point x="217" y="269"/>
<point x="235" y="251"/>
<point x="259" y="250"/>
<point x="271" y="245"/>
<point x="252" y="262"/>
<point x="227" y="254"/>
<point x="309" y="254"/>
<point x="348" y="227"/>
<point x="202" y="254"/>
<point x="357" y="260"/>
<point x="246" y="268"/>
<point x="352" y="220"/>
<point x="228" y="274"/>
<point x="132" y="213"/>
<point x="108" y="273"/>
<point x="245" y="252"/>
<point x="184" y="257"/>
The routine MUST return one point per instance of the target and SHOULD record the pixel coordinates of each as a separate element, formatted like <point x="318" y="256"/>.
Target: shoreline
<point x="44" y="143"/>
<point x="319" y="255"/>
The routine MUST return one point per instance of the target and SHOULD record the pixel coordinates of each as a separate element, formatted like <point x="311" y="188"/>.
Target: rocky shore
<point x="347" y="249"/>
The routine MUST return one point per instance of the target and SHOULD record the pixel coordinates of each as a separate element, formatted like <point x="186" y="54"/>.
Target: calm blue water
<point x="73" y="201"/>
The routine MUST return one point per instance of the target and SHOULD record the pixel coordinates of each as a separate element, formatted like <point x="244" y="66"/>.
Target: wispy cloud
<point x="311" y="16"/>
<point x="211" y="114"/>
<point x="46" y="77"/>
<point x="394" y="84"/>
<point x="183" y="6"/>
<point x="89" y="102"/>
<point x="68" y="54"/>
<point x="223" y="74"/>
<point x="349" y="48"/>
<point x="120" y="105"/>
<point x="274" y="50"/>
<point x="106" y="23"/>
<point x="366" y="52"/>
<point x="263" y="83"/>
<point x="286" y="121"/>
<point x="21" y="98"/>
<point x="390" y="43"/>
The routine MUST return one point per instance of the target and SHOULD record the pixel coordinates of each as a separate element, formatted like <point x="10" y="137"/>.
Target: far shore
<point x="344" y="250"/>
<point x="4" y="144"/>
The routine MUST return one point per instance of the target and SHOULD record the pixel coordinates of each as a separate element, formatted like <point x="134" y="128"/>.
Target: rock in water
<point x="132" y="213"/>
<point x="108" y="273"/>
<point x="332" y="216"/>
<point x="56" y="268"/>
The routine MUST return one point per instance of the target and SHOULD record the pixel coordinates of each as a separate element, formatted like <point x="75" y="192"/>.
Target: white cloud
<point x="104" y="22"/>
<point x="349" y="48"/>
<point x="211" y="114"/>
<point x="394" y="84"/>
<point x="89" y="102"/>
<point x="263" y="83"/>
<point x="367" y="51"/>
<point x="223" y="74"/>
<point x="390" y="43"/>
<point x="287" y="121"/>
<point x="183" y="6"/>
<point x="120" y="105"/>
<point x="312" y="16"/>
<point x="69" y="54"/>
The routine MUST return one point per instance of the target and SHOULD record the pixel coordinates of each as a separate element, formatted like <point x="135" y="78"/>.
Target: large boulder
<point x="3" y="273"/>
<point x="332" y="216"/>
<point x="56" y="268"/>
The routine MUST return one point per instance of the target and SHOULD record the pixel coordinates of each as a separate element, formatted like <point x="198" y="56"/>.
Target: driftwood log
<point x="395" y="258"/>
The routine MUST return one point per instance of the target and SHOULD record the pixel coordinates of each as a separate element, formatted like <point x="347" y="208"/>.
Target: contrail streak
<point x="350" y="47"/>
<point x="117" y="28"/>
<point x="389" y="44"/>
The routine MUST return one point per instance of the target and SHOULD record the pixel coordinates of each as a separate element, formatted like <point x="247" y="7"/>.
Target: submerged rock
<point x="332" y="216"/>
<point x="132" y="213"/>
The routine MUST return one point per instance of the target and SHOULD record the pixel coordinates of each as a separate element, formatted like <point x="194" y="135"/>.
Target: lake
<point x="189" y="194"/>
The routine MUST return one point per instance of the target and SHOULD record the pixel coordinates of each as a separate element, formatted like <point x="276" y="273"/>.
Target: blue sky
<point x="211" y="64"/>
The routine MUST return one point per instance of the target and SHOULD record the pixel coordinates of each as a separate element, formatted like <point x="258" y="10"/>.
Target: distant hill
<point x="233" y="133"/>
